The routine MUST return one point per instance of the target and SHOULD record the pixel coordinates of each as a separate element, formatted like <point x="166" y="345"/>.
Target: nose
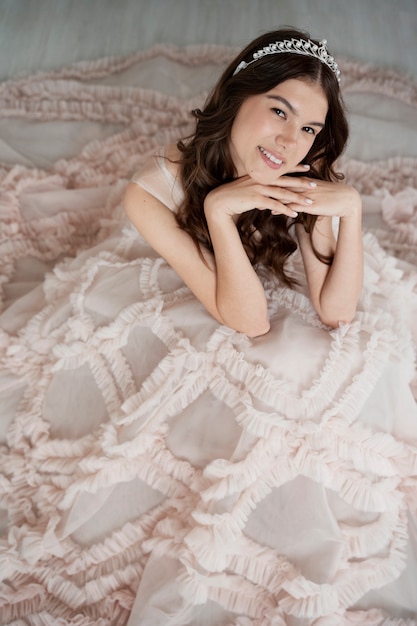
<point x="287" y="137"/>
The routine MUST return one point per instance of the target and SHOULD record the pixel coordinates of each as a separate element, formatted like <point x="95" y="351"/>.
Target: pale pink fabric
<point x="161" y="469"/>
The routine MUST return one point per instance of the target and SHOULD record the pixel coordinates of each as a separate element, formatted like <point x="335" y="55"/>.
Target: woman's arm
<point x="158" y="225"/>
<point x="239" y="294"/>
<point x="335" y="289"/>
<point x="227" y="285"/>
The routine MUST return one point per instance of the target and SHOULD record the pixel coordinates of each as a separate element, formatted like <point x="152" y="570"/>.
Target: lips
<point x="271" y="159"/>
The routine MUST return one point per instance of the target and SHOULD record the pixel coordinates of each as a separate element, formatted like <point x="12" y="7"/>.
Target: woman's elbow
<point x="334" y="313"/>
<point x="334" y="321"/>
<point x="250" y="318"/>
<point x="254" y="328"/>
<point x="258" y="330"/>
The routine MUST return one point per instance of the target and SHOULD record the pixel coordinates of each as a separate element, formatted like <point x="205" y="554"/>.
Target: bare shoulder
<point x="158" y="226"/>
<point x="172" y="155"/>
<point x="139" y="203"/>
<point x="147" y="200"/>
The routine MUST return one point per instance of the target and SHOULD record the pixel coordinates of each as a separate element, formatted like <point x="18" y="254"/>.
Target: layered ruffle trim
<point x="151" y="119"/>
<point x="325" y="441"/>
<point x="56" y="485"/>
<point x="37" y="94"/>
<point x="315" y="434"/>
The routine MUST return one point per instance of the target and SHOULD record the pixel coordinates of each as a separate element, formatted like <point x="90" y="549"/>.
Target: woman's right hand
<point x="245" y="194"/>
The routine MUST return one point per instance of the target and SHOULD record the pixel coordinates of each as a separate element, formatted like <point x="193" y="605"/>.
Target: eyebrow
<point x="292" y="110"/>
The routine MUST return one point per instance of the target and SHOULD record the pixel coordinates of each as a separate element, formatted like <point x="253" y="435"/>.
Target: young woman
<point x="253" y="216"/>
<point x="226" y="436"/>
<point x="267" y="120"/>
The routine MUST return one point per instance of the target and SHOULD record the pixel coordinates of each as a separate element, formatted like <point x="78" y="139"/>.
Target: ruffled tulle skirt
<point x="237" y="479"/>
<point x="160" y="469"/>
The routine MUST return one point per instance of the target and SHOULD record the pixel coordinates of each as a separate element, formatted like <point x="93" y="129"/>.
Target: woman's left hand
<point x="330" y="199"/>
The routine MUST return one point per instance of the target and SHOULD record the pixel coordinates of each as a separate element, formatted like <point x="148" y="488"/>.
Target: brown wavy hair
<point x="206" y="162"/>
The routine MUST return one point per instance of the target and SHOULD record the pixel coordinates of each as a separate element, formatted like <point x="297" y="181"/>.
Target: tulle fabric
<point x="161" y="469"/>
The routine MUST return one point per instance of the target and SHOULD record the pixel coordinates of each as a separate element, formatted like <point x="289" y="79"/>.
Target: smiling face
<point x="274" y="131"/>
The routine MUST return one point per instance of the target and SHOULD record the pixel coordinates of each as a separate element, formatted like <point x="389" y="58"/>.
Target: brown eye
<point x="279" y="112"/>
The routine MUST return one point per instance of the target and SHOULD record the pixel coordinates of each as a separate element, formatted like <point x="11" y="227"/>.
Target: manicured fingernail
<point x="312" y="184"/>
<point x="294" y="214"/>
<point x="306" y="166"/>
<point x="308" y="201"/>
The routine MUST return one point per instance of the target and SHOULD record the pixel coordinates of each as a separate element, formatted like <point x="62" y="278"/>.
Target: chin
<point x="266" y="178"/>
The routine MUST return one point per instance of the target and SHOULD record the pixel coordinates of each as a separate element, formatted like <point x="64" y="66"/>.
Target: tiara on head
<point x="295" y="46"/>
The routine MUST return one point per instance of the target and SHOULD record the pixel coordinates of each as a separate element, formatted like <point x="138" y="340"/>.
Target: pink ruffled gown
<point x="162" y="466"/>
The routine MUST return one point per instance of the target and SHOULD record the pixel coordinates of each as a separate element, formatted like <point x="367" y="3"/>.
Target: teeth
<point x="270" y="156"/>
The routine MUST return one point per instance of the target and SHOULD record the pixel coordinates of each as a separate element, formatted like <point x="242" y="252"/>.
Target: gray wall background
<point x="48" y="34"/>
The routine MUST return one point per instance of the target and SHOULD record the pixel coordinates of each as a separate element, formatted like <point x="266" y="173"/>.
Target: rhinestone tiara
<point x="295" y="46"/>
